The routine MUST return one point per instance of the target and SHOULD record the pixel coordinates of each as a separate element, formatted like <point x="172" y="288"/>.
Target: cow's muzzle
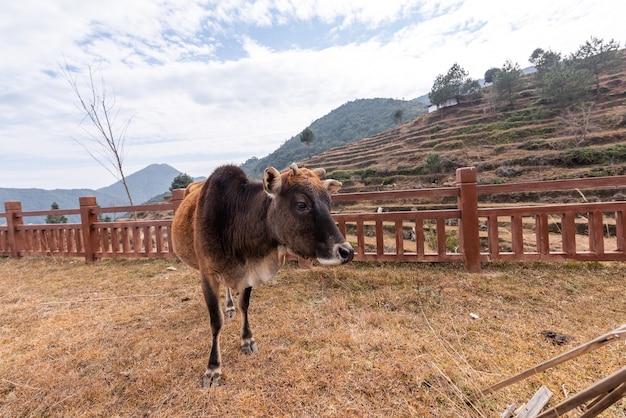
<point x="342" y="253"/>
<point x="346" y="252"/>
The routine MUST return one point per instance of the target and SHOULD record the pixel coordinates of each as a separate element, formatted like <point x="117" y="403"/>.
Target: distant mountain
<point x="144" y="185"/>
<point x="40" y="199"/>
<point x="348" y="123"/>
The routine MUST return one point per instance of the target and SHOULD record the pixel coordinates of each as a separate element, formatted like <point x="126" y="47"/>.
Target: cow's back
<point x="183" y="226"/>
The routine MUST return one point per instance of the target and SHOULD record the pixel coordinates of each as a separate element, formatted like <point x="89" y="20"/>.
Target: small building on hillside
<point x="451" y="102"/>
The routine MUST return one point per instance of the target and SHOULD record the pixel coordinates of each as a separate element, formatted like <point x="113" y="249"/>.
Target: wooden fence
<point x="466" y="233"/>
<point x="92" y="238"/>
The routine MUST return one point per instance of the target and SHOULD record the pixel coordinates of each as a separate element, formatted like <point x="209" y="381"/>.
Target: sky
<point x="198" y="84"/>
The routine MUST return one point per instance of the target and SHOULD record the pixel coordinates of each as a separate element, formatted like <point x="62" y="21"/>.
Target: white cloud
<point x="221" y="81"/>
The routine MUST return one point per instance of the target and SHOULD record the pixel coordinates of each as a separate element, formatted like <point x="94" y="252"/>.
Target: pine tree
<point x="508" y="81"/>
<point x="307" y="136"/>
<point x="597" y="57"/>
<point x="181" y="181"/>
<point x="55" y="219"/>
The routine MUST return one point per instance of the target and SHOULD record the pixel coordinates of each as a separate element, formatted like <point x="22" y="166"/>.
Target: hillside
<point x="529" y="142"/>
<point x="348" y="123"/>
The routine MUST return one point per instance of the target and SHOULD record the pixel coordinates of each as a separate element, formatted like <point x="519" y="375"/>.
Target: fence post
<point x="468" y="227"/>
<point x="177" y="197"/>
<point x="87" y="218"/>
<point x="13" y="210"/>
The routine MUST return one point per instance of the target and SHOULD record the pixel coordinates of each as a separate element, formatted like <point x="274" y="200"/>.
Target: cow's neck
<point x="253" y="236"/>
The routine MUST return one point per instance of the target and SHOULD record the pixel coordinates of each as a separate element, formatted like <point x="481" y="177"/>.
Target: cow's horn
<point x="294" y="168"/>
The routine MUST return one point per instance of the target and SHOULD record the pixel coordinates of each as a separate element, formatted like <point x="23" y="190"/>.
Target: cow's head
<point x="299" y="214"/>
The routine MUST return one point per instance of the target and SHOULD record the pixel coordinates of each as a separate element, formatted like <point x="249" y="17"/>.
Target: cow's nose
<point x="346" y="252"/>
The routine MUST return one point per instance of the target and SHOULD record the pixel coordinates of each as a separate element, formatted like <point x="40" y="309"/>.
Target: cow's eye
<point x="302" y="206"/>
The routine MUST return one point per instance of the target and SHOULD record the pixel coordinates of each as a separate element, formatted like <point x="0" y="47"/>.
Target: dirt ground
<point x="131" y="338"/>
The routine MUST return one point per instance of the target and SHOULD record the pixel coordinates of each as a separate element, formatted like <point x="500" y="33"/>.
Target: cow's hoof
<point x="211" y="378"/>
<point x="229" y="313"/>
<point x="249" y="346"/>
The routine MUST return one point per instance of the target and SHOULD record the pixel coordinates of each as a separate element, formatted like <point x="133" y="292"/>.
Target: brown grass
<point x="130" y="338"/>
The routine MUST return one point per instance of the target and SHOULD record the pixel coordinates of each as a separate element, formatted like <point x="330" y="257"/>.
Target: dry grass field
<point x="130" y="338"/>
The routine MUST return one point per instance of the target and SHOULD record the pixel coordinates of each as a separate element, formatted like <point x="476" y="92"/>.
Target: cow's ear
<point x="332" y="186"/>
<point x="271" y="181"/>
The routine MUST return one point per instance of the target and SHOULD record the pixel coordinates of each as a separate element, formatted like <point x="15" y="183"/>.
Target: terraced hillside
<point x="528" y="142"/>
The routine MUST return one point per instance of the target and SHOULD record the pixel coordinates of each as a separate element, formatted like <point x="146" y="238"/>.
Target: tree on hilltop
<point x="563" y="83"/>
<point x="490" y="74"/>
<point x="471" y="90"/>
<point x="544" y="61"/>
<point x="454" y="85"/>
<point x="597" y="57"/>
<point x="566" y="84"/>
<point x="441" y="91"/>
<point x="307" y="136"/>
<point x="456" y="78"/>
<point x="508" y="81"/>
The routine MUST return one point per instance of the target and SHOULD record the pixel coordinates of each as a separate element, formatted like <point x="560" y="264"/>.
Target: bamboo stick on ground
<point x="613" y="385"/>
<point x="606" y="401"/>
<point x="573" y="353"/>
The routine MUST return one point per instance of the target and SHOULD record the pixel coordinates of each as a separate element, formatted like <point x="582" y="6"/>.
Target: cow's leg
<point x="211" y="288"/>
<point x="248" y="345"/>
<point x="230" y="305"/>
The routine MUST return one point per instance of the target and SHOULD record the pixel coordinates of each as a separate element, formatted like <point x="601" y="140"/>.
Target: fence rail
<point x="468" y="233"/>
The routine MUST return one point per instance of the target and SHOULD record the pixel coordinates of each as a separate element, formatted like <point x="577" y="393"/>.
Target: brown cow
<point x="238" y="232"/>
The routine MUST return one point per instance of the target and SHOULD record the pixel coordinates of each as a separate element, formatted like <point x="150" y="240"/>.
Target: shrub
<point x="450" y="145"/>
<point x="340" y="175"/>
<point x="368" y="173"/>
<point x="509" y="171"/>
<point x="433" y="163"/>
<point x="410" y="171"/>
<point x="535" y="145"/>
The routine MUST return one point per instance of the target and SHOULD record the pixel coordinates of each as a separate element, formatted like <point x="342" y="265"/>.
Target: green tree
<point x="471" y="90"/>
<point x="55" y="219"/>
<point x="507" y="82"/>
<point x="597" y="57"/>
<point x="566" y="84"/>
<point x="397" y="116"/>
<point x="544" y="61"/>
<point x="307" y="136"/>
<point x="455" y="85"/>
<point x="457" y="77"/>
<point x="441" y="92"/>
<point x="490" y="74"/>
<point x="181" y="181"/>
